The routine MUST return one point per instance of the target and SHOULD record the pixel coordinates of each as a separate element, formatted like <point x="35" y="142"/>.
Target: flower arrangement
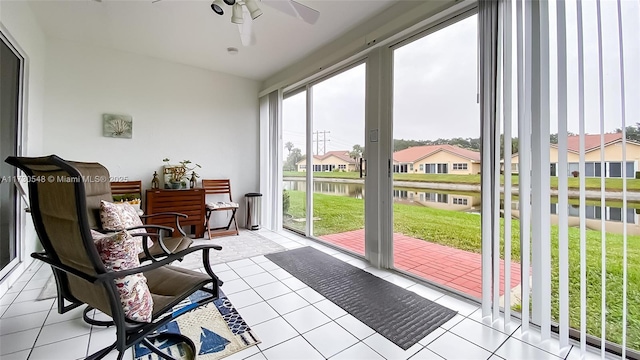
<point x="179" y="172"/>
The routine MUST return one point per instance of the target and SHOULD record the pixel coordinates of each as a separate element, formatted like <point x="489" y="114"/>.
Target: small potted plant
<point x="178" y="173"/>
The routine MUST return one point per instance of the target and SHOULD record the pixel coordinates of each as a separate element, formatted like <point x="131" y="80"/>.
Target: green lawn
<point x="590" y="183"/>
<point x="339" y="214"/>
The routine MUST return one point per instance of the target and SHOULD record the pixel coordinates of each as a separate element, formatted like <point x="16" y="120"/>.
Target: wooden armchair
<point x="126" y="187"/>
<point x="128" y="191"/>
<point x="223" y="189"/>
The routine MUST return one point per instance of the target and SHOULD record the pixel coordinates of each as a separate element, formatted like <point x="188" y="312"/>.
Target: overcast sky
<point x="435" y="84"/>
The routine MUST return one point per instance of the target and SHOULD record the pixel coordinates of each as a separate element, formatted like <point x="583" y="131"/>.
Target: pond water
<point x="471" y="202"/>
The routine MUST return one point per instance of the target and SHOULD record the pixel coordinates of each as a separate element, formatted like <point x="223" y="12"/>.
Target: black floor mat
<point x="399" y="315"/>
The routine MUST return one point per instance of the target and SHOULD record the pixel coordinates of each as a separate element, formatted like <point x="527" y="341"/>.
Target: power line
<point x="324" y="140"/>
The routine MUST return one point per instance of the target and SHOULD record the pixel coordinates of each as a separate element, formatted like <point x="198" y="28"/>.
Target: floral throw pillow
<point x="120" y="216"/>
<point x="118" y="252"/>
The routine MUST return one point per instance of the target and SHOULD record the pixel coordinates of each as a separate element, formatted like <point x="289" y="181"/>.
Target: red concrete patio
<point x="454" y="268"/>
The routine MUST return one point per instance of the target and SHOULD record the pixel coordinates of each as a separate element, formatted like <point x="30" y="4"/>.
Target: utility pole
<point x="316" y="141"/>
<point x="324" y="141"/>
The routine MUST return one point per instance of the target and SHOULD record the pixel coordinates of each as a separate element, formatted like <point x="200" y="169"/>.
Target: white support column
<point x="271" y="160"/>
<point x="267" y="158"/>
<point x="487" y="32"/>
<point x="385" y="154"/>
<point x="378" y="146"/>
<point x="275" y="108"/>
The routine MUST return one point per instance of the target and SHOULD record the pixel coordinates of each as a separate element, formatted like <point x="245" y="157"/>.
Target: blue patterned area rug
<point x="217" y="329"/>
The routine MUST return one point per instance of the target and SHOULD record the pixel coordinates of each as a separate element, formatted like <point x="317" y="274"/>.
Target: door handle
<point x="363" y="171"/>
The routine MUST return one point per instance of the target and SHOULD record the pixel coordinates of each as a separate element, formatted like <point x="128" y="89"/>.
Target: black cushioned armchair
<point x="63" y="197"/>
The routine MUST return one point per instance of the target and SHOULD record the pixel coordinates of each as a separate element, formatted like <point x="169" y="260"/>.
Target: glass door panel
<point x="10" y="68"/>
<point x="338" y="149"/>
<point x="436" y="124"/>
<point x="294" y="120"/>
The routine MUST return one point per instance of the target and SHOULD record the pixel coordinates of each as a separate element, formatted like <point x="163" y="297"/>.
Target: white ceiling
<point x="188" y="32"/>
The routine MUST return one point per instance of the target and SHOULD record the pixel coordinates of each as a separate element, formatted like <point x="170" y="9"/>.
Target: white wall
<point x="403" y="18"/>
<point x="20" y="26"/>
<point x="179" y="112"/>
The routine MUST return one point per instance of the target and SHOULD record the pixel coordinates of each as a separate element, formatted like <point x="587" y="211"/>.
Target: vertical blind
<point x="560" y="79"/>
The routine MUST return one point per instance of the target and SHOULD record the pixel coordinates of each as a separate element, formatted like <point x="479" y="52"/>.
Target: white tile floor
<point x="292" y="320"/>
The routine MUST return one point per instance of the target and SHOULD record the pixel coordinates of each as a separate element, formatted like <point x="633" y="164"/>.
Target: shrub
<point x="286" y="202"/>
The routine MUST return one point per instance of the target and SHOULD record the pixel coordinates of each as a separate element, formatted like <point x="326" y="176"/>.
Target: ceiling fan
<point x="243" y="12"/>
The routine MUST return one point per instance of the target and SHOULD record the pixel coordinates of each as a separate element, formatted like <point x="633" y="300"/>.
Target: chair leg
<point x="179" y="338"/>
<point x="206" y="223"/>
<point x="95" y="322"/>
<point x="102" y="353"/>
<point x="235" y="221"/>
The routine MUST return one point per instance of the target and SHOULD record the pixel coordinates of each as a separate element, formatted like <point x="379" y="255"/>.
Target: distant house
<point x="612" y="156"/>
<point x="329" y="161"/>
<point x="436" y="159"/>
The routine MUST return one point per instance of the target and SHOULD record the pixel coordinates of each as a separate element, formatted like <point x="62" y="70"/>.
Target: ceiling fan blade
<point x="284" y="6"/>
<point x="247" y="36"/>
<point x="295" y="9"/>
<point x="306" y="13"/>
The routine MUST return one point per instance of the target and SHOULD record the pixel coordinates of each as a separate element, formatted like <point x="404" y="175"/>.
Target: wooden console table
<point x="189" y="202"/>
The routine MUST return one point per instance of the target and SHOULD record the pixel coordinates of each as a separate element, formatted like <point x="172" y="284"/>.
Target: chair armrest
<point x="151" y="226"/>
<point x="160" y="242"/>
<point x="158" y="238"/>
<point x="111" y="275"/>
<point x="177" y="217"/>
<point x="42" y="256"/>
<point x="165" y="214"/>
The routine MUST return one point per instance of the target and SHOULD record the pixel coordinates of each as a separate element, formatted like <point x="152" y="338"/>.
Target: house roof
<point x="591" y="142"/>
<point x="416" y="153"/>
<point x="340" y="154"/>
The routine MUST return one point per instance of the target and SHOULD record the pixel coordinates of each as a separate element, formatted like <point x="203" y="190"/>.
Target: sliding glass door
<point x="541" y="216"/>
<point x="294" y="125"/>
<point x="436" y="156"/>
<point x="338" y="150"/>
<point x="10" y="101"/>
<point x="323" y="136"/>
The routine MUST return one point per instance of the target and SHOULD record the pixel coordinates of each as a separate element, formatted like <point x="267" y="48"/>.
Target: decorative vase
<point x="175" y="185"/>
<point x="155" y="182"/>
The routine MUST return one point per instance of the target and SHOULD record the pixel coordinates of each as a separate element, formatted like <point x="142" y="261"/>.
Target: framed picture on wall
<point x="117" y="126"/>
